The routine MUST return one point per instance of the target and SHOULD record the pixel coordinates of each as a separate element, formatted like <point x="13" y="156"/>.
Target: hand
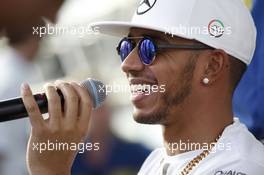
<point x="67" y="126"/>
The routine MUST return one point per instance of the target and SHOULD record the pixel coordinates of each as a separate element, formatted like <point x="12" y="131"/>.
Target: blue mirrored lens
<point x="125" y="48"/>
<point x="147" y="51"/>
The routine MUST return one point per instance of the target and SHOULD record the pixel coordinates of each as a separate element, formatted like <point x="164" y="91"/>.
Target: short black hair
<point x="237" y="70"/>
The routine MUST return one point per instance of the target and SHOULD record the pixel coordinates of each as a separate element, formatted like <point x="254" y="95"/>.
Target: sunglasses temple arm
<point x="174" y="46"/>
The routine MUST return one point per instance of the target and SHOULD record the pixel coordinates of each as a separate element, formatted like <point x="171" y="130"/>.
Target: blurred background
<point x="74" y="55"/>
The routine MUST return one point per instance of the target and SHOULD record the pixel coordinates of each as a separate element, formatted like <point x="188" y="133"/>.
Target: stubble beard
<point x="172" y="98"/>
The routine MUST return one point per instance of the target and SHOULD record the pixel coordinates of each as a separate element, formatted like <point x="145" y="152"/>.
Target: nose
<point x="132" y="62"/>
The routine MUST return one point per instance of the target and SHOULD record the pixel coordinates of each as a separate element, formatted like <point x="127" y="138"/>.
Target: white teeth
<point x="141" y="88"/>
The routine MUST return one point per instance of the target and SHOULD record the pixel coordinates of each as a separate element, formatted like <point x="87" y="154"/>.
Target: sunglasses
<point x="148" y="48"/>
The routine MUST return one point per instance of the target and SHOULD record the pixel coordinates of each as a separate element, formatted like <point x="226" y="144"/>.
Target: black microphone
<point x="14" y="108"/>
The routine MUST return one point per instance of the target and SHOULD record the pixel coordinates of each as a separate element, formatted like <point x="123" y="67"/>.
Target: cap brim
<point x="119" y="29"/>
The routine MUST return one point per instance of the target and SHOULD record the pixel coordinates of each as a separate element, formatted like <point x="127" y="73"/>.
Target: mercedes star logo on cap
<point x="145" y="5"/>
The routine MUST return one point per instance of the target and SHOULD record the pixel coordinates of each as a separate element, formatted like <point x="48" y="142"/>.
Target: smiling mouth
<point x="140" y="92"/>
<point x="141" y="88"/>
<point x="144" y="89"/>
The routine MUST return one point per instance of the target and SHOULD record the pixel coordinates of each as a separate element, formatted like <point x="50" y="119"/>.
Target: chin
<point x="149" y="109"/>
<point x="148" y="116"/>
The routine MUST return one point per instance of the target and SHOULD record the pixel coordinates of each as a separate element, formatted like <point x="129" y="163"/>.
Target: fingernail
<point x="59" y="80"/>
<point x="74" y="83"/>
<point x="24" y="87"/>
<point x="48" y="84"/>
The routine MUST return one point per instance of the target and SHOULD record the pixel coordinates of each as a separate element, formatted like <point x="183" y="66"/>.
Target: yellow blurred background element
<point x="248" y="3"/>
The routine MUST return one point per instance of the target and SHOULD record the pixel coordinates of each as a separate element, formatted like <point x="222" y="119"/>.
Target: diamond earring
<point x="206" y="80"/>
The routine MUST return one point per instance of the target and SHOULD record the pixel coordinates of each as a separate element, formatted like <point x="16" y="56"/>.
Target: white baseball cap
<point x="221" y="24"/>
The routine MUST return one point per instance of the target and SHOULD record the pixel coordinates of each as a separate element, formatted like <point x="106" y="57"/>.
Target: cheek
<point x="166" y="69"/>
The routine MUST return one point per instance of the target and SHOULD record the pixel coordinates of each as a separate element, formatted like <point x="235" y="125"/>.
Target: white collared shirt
<point x="237" y="152"/>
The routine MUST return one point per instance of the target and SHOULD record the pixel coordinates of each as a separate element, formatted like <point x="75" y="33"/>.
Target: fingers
<point x="54" y="106"/>
<point x="85" y="104"/>
<point x="71" y="102"/>
<point x="77" y="106"/>
<point x="31" y="106"/>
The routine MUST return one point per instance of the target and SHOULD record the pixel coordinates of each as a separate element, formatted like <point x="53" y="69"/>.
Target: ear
<point x="216" y="63"/>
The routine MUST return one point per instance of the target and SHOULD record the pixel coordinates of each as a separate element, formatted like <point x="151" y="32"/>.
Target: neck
<point x="197" y="126"/>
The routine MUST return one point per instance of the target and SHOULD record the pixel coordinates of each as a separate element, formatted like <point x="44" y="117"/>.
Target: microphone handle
<point x="14" y="108"/>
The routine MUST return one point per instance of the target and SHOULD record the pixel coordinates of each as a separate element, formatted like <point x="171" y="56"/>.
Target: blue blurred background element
<point x="249" y="96"/>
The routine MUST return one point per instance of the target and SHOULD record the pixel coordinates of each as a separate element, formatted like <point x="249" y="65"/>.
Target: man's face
<point x="171" y="71"/>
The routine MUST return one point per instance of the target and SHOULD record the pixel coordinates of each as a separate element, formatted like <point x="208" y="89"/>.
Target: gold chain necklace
<point x="194" y="162"/>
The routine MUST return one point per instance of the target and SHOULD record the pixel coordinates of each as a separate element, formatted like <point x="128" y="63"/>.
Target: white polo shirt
<point x="237" y="152"/>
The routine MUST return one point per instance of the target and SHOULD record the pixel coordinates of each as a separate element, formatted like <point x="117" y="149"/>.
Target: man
<point x="199" y="70"/>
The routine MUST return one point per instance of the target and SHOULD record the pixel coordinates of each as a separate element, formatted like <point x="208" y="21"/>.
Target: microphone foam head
<point x="96" y="90"/>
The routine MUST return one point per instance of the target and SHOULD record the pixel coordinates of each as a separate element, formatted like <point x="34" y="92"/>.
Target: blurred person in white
<point x="200" y="71"/>
<point x="16" y="66"/>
